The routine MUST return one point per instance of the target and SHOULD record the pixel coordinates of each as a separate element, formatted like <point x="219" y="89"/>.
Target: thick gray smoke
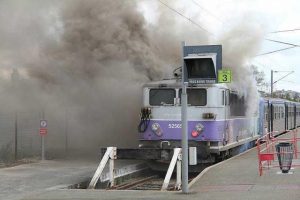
<point x="240" y="45"/>
<point x="83" y="64"/>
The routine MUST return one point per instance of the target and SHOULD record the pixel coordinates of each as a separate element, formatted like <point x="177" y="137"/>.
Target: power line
<point x="206" y="10"/>
<point x="294" y="45"/>
<point x="189" y="19"/>
<point x="283" y="49"/>
<point x="289" y="30"/>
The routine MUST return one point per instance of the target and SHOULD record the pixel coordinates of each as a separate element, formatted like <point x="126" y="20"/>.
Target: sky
<point x="219" y="16"/>
<point x="215" y="16"/>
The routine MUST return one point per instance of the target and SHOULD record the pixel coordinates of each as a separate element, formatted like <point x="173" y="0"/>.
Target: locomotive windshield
<point x="200" y="68"/>
<point x="196" y="97"/>
<point x="160" y="97"/>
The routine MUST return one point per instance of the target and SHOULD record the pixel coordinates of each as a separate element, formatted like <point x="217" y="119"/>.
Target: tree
<point x="260" y="78"/>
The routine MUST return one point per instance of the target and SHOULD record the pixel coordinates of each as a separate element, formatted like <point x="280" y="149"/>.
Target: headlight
<point x="156" y="129"/>
<point x="199" y="127"/>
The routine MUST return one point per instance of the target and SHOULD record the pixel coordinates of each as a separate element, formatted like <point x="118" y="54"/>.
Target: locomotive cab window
<point x="196" y="97"/>
<point x="159" y="97"/>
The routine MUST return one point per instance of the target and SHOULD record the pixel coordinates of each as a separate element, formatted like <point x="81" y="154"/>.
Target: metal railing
<point x="269" y="158"/>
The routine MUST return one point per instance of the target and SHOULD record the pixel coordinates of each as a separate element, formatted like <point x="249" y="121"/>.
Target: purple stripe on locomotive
<point x="227" y="130"/>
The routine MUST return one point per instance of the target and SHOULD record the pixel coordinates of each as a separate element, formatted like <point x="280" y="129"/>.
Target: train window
<point x="196" y="97"/>
<point x="159" y="97"/>
<point x="237" y="105"/>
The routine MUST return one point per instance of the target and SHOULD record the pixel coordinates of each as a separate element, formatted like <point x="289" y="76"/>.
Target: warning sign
<point x="224" y="76"/>
<point x="43" y="131"/>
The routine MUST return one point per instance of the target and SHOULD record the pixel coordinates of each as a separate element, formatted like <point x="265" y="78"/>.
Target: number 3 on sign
<point x="224" y="76"/>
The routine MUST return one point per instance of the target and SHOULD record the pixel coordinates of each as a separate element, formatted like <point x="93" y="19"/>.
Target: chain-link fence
<point x="7" y="140"/>
<point x="20" y="138"/>
<point x="73" y="132"/>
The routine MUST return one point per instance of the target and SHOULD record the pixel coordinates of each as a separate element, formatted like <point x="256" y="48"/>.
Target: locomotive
<point x="218" y="125"/>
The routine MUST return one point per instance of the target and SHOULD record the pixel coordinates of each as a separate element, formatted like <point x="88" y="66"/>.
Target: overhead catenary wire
<point x="288" y="30"/>
<point x="277" y="41"/>
<point x="207" y="11"/>
<point x="283" y="49"/>
<point x="270" y="52"/>
<point x="187" y="18"/>
<point x="203" y="29"/>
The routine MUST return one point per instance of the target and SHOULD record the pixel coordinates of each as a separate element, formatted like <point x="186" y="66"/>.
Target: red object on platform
<point x="43" y="131"/>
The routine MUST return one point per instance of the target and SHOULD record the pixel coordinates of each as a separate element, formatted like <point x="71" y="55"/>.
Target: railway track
<point x="152" y="182"/>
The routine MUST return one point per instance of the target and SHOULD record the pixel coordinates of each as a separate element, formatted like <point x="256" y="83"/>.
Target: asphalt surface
<point x="19" y="181"/>
<point x="236" y="178"/>
<point x="36" y="179"/>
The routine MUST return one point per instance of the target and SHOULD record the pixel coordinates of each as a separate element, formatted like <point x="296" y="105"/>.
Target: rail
<point x="266" y="151"/>
<point x="111" y="155"/>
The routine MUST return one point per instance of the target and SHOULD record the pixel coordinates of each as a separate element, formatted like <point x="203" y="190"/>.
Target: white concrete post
<point x="101" y="167"/>
<point x="173" y="162"/>
<point x="112" y="157"/>
<point x="178" y="172"/>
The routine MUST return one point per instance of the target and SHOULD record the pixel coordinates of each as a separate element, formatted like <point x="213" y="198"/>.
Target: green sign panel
<point x="224" y="76"/>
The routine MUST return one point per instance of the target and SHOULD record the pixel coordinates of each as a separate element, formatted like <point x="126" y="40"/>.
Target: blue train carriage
<point x="281" y="115"/>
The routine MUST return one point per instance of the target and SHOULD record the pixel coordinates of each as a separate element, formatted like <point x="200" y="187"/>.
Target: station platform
<point x="236" y="178"/>
<point x="239" y="178"/>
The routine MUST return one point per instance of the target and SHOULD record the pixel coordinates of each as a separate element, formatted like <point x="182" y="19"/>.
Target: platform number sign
<point x="224" y="76"/>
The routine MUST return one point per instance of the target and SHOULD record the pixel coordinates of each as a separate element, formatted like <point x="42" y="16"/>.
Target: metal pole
<point x="271" y="83"/>
<point x="43" y="140"/>
<point x="184" y="140"/>
<point x="43" y="147"/>
<point x="66" y="133"/>
<point x="16" y="136"/>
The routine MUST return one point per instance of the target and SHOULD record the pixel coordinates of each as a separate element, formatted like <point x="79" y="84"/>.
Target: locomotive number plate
<point x="174" y="125"/>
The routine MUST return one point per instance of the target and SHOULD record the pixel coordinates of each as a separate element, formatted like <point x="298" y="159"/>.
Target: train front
<point x="160" y="125"/>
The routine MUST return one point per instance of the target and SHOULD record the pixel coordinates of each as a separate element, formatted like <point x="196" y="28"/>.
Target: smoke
<point x="240" y="45"/>
<point x="83" y="64"/>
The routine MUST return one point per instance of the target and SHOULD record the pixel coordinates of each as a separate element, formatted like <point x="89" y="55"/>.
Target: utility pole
<point x="273" y="82"/>
<point x="184" y="140"/>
